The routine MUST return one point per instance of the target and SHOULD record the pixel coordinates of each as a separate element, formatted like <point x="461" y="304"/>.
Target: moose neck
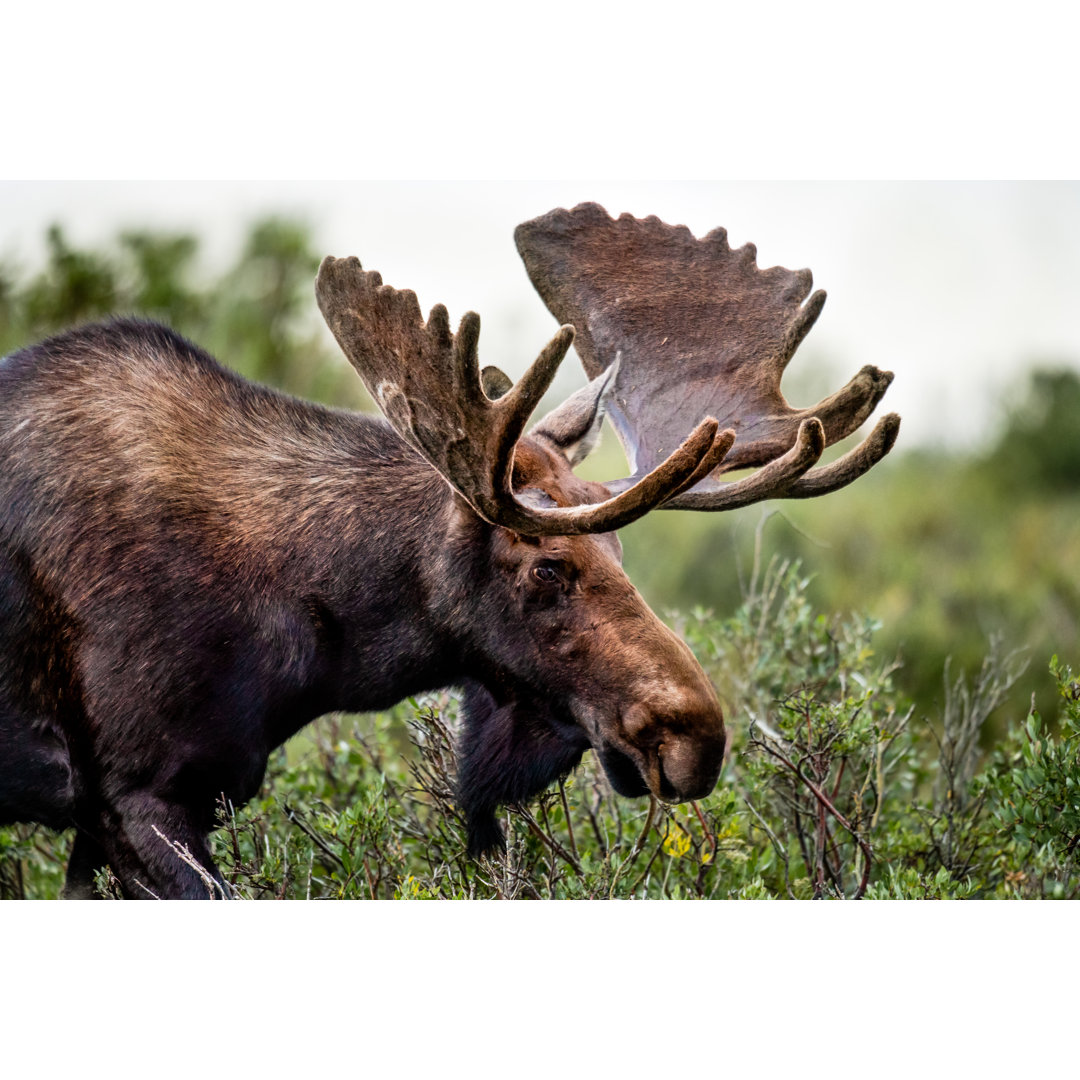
<point x="355" y="538"/>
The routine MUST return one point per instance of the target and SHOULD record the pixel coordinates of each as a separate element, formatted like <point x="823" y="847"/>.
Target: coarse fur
<point x="193" y="567"/>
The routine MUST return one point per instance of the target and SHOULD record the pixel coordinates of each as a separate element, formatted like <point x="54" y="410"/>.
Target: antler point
<point x="889" y="426"/>
<point x="812" y="434"/>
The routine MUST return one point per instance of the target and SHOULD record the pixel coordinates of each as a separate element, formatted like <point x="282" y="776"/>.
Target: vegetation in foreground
<point x="835" y="787"/>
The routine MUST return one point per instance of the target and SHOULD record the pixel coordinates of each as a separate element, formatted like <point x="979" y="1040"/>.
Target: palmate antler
<point x="700" y="338"/>
<point x="699" y="330"/>
<point x="428" y="383"/>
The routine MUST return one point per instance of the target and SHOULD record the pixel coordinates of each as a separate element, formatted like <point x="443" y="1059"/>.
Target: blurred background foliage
<point x="943" y="551"/>
<point x="258" y="316"/>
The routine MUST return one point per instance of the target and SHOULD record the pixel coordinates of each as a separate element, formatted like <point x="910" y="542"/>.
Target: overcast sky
<point x="955" y="286"/>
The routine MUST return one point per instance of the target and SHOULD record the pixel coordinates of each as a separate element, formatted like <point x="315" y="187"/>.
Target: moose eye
<point x="546" y="574"/>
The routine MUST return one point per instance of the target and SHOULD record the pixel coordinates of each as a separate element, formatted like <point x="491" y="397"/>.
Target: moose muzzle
<point x="675" y="756"/>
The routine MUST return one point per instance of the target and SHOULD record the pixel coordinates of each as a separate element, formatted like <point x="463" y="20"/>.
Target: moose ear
<point x="574" y="427"/>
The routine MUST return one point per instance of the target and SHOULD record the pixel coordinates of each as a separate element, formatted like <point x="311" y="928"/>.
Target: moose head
<point x="685" y="342"/>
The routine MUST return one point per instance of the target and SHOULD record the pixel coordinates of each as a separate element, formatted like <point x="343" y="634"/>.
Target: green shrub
<point x="1032" y="790"/>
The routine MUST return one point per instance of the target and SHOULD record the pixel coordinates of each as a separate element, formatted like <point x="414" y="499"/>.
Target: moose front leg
<point x="86" y="859"/>
<point x="157" y="851"/>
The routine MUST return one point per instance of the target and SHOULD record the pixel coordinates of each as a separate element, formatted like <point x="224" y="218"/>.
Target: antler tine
<point x="852" y="465"/>
<point x="465" y="350"/>
<point x="722" y="444"/>
<point x="429" y="385"/>
<point x="520" y="401"/>
<point x="625" y="508"/>
<point x="804" y="321"/>
<point x="769" y="482"/>
<point x="791" y="476"/>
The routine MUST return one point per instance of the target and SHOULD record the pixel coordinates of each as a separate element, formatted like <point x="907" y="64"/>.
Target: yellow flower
<point x="677" y="842"/>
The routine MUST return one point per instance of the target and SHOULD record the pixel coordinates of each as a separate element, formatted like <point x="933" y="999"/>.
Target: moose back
<point x="192" y="567"/>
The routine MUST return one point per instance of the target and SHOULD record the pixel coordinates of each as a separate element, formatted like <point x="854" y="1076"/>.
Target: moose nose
<point x="689" y="767"/>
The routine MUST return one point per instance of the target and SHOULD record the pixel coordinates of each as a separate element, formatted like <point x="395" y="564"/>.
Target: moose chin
<point x="193" y="567"/>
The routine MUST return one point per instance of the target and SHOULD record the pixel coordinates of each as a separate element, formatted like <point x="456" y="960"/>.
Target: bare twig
<point x="566" y="814"/>
<point x="826" y="803"/>
<point x="777" y="846"/>
<point x="636" y="849"/>
<point x="312" y="835"/>
<point x="184" y="855"/>
<point x="550" y="841"/>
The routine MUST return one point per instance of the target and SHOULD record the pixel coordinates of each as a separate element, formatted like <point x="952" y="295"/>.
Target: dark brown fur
<point x="193" y="567"/>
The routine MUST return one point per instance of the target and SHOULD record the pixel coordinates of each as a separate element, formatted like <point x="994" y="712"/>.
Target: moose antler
<point x="700" y="331"/>
<point x="428" y="383"/>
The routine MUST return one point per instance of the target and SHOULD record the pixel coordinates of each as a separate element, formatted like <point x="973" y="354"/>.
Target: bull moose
<point x="193" y="567"/>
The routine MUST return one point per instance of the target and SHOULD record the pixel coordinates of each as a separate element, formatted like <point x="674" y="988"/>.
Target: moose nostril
<point x="688" y="769"/>
<point x="667" y="790"/>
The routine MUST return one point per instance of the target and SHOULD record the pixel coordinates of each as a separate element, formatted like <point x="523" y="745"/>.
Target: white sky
<point x="955" y="286"/>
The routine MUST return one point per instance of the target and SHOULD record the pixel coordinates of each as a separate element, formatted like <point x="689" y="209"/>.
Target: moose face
<point x="572" y="643"/>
